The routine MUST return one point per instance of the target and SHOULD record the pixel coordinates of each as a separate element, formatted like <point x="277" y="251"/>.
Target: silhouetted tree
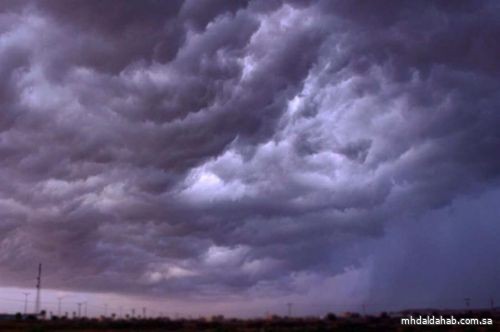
<point x="384" y="315"/>
<point x="331" y="316"/>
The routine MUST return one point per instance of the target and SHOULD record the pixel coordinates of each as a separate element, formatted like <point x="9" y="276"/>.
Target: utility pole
<point x="59" y="299"/>
<point x="105" y="310"/>
<point x="143" y="312"/>
<point x="85" y="309"/>
<point x="289" y="306"/>
<point x="79" y="309"/>
<point x="26" y="302"/>
<point x="38" y="289"/>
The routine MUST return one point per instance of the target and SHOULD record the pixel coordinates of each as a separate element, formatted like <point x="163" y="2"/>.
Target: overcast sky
<point x="242" y="154"/>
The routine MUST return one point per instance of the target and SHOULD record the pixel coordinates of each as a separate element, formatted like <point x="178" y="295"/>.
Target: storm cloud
<point x="213" y="148"/>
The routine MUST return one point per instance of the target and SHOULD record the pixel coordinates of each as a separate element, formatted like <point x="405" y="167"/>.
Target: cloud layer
<point x="214" y="148"/>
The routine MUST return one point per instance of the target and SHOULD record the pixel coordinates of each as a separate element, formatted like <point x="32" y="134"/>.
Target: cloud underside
<point x="226" y="147"/>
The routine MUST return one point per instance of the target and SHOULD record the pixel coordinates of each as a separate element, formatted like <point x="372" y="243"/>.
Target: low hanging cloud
<point x="215" y="148"/>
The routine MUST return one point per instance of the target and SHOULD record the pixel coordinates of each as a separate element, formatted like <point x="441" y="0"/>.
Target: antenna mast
<point x="38" y="289"/>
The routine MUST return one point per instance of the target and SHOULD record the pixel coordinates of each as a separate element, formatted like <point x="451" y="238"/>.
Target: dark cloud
<point x="215" y="147"/>
<point x="117" y="34"/>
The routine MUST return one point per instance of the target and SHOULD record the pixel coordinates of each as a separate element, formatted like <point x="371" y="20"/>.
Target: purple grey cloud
<point x="215" y="147"/>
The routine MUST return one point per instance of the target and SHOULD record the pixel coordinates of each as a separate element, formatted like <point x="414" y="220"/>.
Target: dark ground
<point x="276" y="324"/>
